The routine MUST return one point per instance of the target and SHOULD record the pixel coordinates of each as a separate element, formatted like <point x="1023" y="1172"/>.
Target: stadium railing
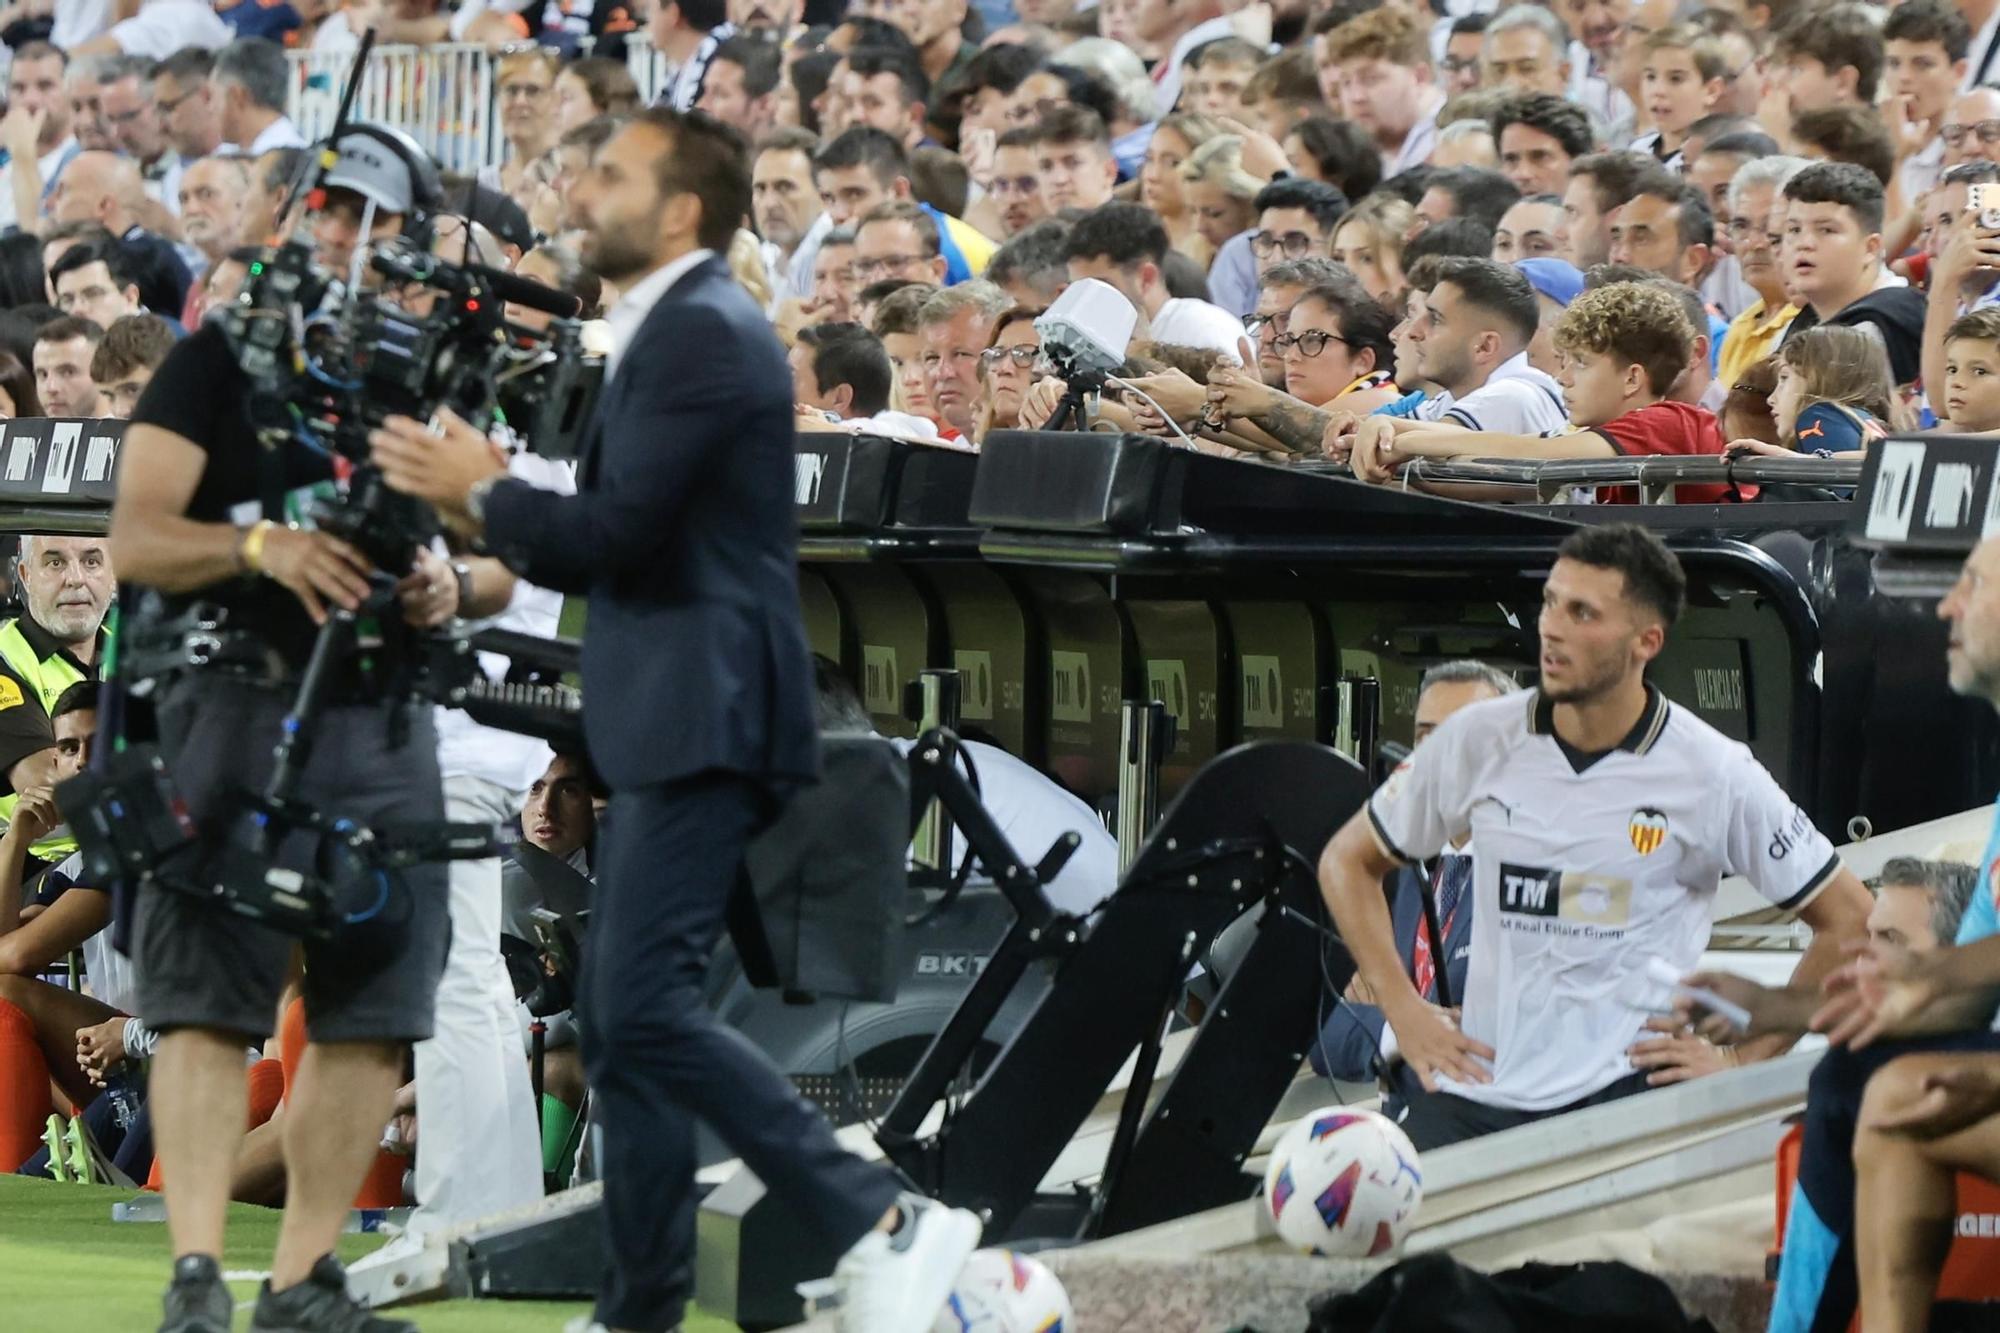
<point x="442" y="96"/>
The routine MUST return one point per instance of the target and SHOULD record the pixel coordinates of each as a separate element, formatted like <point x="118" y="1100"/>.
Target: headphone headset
<point x="426" y="187"/>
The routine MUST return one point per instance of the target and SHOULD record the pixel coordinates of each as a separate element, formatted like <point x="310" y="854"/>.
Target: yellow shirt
<point x="1753" y="335"/>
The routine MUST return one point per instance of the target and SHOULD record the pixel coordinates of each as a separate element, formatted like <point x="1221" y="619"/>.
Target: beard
<point x="617" y="255"/>
<point x="1583" y="688"/>
<point x="68" y="624"/>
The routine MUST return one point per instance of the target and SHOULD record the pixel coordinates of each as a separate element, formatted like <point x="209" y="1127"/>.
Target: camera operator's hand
<point x="35" y="816"/>
<point x="317" y="567"/>
<point x="441" y="465"/>
<point x="429" y="592"/>
<point x="101" y="1049"/>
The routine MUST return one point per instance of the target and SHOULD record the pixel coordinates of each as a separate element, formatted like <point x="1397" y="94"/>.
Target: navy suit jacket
<point x="683" y="535"/>
<point x="1347" y="1044"/>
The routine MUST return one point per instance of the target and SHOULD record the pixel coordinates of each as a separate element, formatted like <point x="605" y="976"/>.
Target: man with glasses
<point x="188" y="111"/>
<point x="1016" y="188"/>
<point x="1126" y="245"/>
<point x="1284" y="283"/>
<point x="1295" y="219"/>
<point x="1971" y="130"/>
<point x="1459" y="71"/>
<point x="1965" y="260"/>
<point x="898" y="240"/>
<point x="125" y="92"/>
<point x="1754" y="197"/>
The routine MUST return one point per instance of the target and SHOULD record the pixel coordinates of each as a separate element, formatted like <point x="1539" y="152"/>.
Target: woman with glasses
<point x="525" y="84"/>
<point x="1007" y="369"/>
<point x="1369" y="242"/>
<point x="1161" y="187"/>
<point x="1218" y="192"/>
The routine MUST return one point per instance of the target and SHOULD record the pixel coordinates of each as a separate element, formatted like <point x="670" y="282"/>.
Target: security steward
<point x="67" y="585"/>
<point x="200" y="519"/>
<point x="1605" y="817"/>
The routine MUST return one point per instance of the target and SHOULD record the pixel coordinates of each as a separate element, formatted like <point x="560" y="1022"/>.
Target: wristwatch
<point x="463" y="572"/>
<point x="475" y="499"/>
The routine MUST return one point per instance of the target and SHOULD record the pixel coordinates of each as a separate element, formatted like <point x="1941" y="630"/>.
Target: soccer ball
<point x="1000" y="1291"/>
<point x="1343" y="1183"/>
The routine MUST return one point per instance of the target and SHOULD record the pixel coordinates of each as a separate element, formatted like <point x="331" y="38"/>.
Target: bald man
<point x="107" y="189"/>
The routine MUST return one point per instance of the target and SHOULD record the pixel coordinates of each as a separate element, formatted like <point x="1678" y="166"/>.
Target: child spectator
<point x="1831" y="396"/>
<point x="1681" y="79"/>
<point x="125" y="359"/>
<point x="1972" y="372"/>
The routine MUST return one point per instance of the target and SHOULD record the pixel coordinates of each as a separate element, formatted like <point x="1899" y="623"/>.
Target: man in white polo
<point x="1605" y="817"/>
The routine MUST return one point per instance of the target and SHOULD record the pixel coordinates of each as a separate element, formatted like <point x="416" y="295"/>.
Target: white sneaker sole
<point x="933" y="1265"/>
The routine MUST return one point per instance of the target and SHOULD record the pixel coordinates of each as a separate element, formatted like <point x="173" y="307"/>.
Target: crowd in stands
<point x="1364" y="231"/>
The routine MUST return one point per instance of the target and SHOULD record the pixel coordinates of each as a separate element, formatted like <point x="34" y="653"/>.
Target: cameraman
<point x="201" y="518"/>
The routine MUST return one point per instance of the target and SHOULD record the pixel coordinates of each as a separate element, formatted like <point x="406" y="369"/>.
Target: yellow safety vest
<point x="46" y="679"/>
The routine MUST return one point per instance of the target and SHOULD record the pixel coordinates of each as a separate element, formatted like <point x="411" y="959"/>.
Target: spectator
<point x="1472" y="342"/>
<point x="1015" y="187"/>
<point x="524" y="89"/>
<point x="1335" y="349"/>
<point x="1031" y="268"/>
<point x="884" y="88"/>
<point x="1458" y="71"/>
<point x="897" y="240"/>
<point x="1466" y="237"/>
<point x="592" y="87"/>
<point x="986" y="87"/>
<point x="1215" y="75"/>
<point x="1540" y="135"/>
<point x="1133" y="100"/>
<point x="840" y="370"/>
<point x="123" y="364"/>
<point x="1528" y="229"/>
<point x="896" y="325"/>
<point x="1832" y="395"/>
<point x="17" y="388"/>
<point x="272" y="176"/>
<point x="125" y="90"/>
<point x="1368" y="242"/>
<point x="94" y="280"/>
<point x="1971" y="130"/>
<point x="1665" y="228"/>
<point x="933" y="27"/>
<point x="1828" y="57"/>
<point x="1924" y="46"/>
<point x="1283" y="93"/>
<point x="835" y="286"/>
<point x="1598" y="185"/>
<point x="1384" y="66"/>
<point x="953" y="327"/>
<point x="157" y="30"/>
<point x="1526" y="48"/>
<point x="1073" y="156"/>
<point x="1744" y="80"/>
<point x="1295" y="218"/>
<point x="1283" y="285"/>
<point x="1681" y="80"/>
<point x="1008" y="368"/>
<point x="34" y="91"/>
<point x="1174" y="140"/>
<point x="1711" y="170"/>
<point x="1338" y="152"/>
<point x="865" y="167"/>
<point x="63" y="349"/>
<point x="739" y="87"/>
<point x="679" y="30"/>
<point x="189" y="109"/>
<point x="1846" y="134"/>
<point x="1467" y="192"/>
<point x="1754" y="197"/>
<point x="86" y="105"/>
<point x="1972" y="373"/>
<point x="1719" y="125"/>
<point x="1466" y="143"/>
<point x="783" y="198"/>
<point x="248" y="82"/>
<point x="1355" y="1036"/>
<point x="105" y="189"/>
<point x="1125" y="245"/>
<point x="1833" y="245"/>
<point x="1556" y="283"/>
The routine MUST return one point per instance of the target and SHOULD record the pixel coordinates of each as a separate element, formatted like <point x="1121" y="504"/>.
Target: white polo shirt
<point x="1516" y="399"/>
<point x="1589" y="868"/>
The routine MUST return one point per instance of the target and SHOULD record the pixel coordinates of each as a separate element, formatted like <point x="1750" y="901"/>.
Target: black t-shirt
<point x="201" y="395"/>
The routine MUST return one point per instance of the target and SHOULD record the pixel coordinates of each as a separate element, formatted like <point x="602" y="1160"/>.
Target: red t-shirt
<point x="1665" y="428"/>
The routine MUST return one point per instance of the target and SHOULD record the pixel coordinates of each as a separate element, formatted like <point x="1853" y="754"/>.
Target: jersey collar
<point x="1644" y="734"/>
<point x="46" y="645"/>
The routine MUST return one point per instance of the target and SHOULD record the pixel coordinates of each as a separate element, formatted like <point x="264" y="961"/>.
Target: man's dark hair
<point x="1929" y="21"/>
<point x="124" y="273"/>
<point x="1653" y="576"/>
<point x="132" y="343"/>
<point x="1477" y="193"/>
<point x="68" y="327"/>
<point x="1086" y="92"/>
<point x="1694" y="218"/>
<point x="1324" y="202"/>
<point x="1126" y="234"/>
<point x="1345" y="153"/>
<point x="875" y="293"/>
<point x="902" y="210"/>
<point x="1072" y="124"/>
<point x="1307" y="271"/>
<point x="1003" y="68"/>
<point x="1453" y="236"/>
<point x="1742" y="143"/>
<point x="187" y="66"/>
<point x="865" y="146"/>
<point x="1718" y="123"/>
<point x="1836" y="36"/>
<point x="709" y="160"/>
<point x="841" y="711"/>
<point x="1614" y="177"/>
<point x="286" y="164"/>
<point x="1500" y="289"/>
<point x="1183" y="278"/>
<point x="871" y="31"/>
<point x="759" y="57"/>
<point x="1853" y="188"/>
<point x="869" y="61"/>
<point x="702" y="15"/>
<point x="80" y="697"/>
<point x="939" y="177"/>
<point x="1409" y="184"/>
<point x="1037" y="255"/>
<point x="41" y="51"/>
<point x="258" y="67"/>
<point x="810" y="74"/>
<point x="1470" y="23"/>
<point x="1849" y="134"/>
<point x="849" y="354"/>
<point x="1564" y="121"/>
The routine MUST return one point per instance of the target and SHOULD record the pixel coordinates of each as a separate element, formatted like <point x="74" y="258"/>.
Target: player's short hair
<point x="1653" y="575"/>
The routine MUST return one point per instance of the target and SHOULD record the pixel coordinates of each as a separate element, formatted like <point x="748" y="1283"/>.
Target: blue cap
<point x="1557" y="279"/>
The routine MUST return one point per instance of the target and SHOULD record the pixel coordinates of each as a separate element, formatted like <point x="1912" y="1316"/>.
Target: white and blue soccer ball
<point x="1344" y="1183"/>
<point x="1000" y="1291"/>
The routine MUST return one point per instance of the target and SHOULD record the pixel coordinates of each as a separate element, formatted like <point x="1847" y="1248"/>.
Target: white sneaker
<point x="406" y="1245"/>
<point x="896" y="1283"/>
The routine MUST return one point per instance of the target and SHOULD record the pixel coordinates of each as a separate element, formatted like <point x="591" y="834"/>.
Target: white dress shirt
<point x="280" y="133"/>
<point x="625" y="318"/>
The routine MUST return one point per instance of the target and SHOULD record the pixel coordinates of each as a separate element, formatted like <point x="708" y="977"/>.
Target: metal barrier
<point x="1656" y="477"/>
<point x="442" y="96"/>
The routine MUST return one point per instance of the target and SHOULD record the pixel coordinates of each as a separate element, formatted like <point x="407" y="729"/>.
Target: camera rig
<point x="329" y="360"/>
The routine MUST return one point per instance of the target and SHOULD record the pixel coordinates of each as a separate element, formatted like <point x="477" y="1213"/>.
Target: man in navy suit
<point x="699" y="713"/>
<point x="1356" y="1044"/>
